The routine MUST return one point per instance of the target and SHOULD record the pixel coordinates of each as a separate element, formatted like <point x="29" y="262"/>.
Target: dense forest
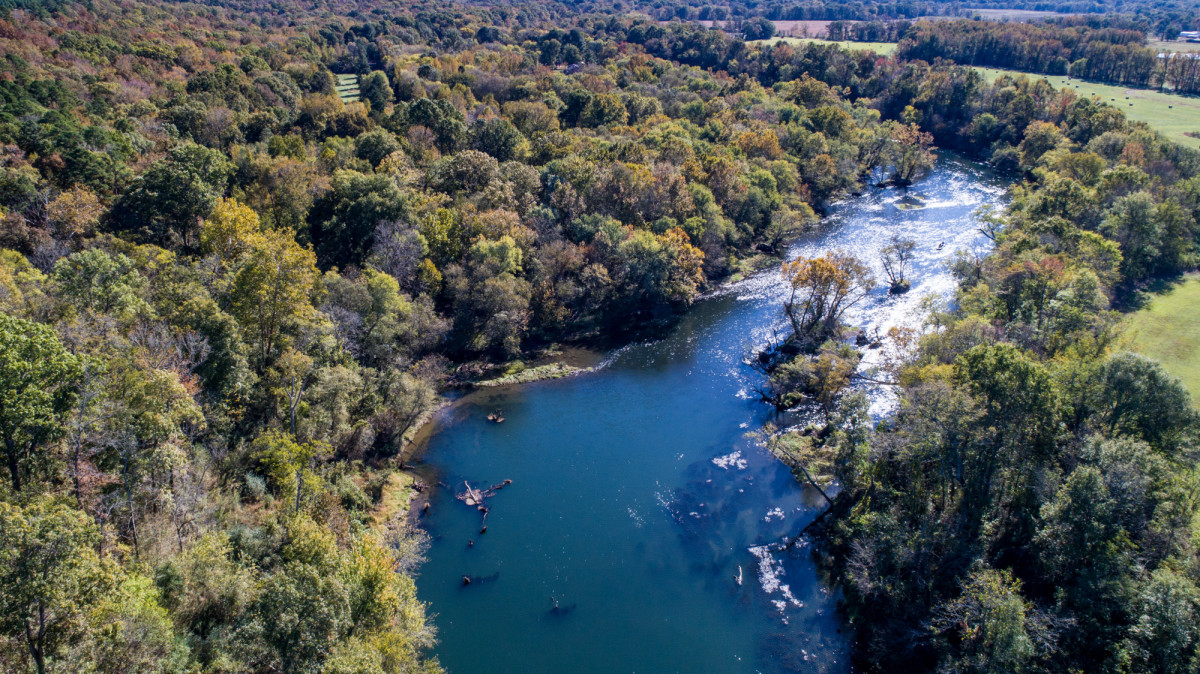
<point x="229" y="295"/>
<point x="230" y="291"/>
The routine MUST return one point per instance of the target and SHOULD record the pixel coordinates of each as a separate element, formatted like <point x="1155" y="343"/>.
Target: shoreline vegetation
<point x="527" y="375"/>
<point x="563" y="362"/>
<point x="229" y="296"/>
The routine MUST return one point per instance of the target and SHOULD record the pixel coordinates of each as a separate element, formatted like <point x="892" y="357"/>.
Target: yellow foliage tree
<point x="231" y="230"/>
<point x="822" y="289"/>
<point x="273" y="290"/>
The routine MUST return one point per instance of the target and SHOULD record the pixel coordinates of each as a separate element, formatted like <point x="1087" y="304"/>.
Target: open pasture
<point x="1172" y="115"/>
<point x="1174" y="46"/>
<point x="1167" y="329"/>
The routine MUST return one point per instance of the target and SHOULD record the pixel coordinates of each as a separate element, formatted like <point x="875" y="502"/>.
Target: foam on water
<point x="732" y="460"/>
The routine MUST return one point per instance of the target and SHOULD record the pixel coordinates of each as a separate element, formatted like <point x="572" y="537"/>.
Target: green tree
<point x="272" y="291"/>
<point x="989" y="625"/>
<point x="376" y="322"/>
<point x="758" y="28"/>
<point x="1135" y="396"/>
<point x="348" y="216"/>
<point x="1134" y="224"/>
<point x="912" y="153"/>
<point x="128" y="630"/>
<point x="229" y="231"/>
<point x="209" y="595"/>
<point x="375" y="146"/>
<point x="469" y="171"/>
<point x="819" y="379"/>
<point x="657" y="274"/>
<point x="1164" y="636"/>
<point x="288" y="464"/>
<point x="303" y="611"/>
<point x="376" y="90"/>
<point x="1040" y="138"/>
<point x="491" y="302"/>
<point x="498" y="138"/>
<point x="1086" y="554"/>
<point x="170" y="199"/>
<point x="150" y="423"/>
<point x="50" y="575"/>
<point x="98" y="283"/>
<point x="37" y="387"/>
<point x="604" y="110"/>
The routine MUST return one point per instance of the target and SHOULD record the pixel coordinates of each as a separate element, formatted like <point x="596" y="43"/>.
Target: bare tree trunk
<point x="75" y="460"/>
<point x="129" y="503"/>
<point x="14" y="464"/>
<point x="36" y="647"/>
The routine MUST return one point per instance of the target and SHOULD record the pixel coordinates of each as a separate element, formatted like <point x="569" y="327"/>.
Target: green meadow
<point x="347" y="88"/>
<point x="1167" y="329"/>
<point x="1170" y="114"/>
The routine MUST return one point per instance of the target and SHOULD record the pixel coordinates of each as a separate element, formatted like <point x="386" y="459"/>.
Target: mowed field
<point x="1170" y="114"/>
<point x="885" y="48"/>
<point x="1167" y="329"/>
<point x="347" y="88"/>
<point x="1174" y="45"/>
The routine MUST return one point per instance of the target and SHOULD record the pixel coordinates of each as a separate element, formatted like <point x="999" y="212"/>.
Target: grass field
<point x="1170" y="114"/>
<point x="884" y="48"/>
<point x="1174" y="45"/>
<point x="347" y="88"/>
<point x="1167" y="329"/>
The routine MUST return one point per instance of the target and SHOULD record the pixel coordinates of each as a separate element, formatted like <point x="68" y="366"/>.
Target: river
<point x="637" y="501"/>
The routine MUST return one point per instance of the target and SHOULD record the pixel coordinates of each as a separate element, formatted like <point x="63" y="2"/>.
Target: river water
<point x="637" y="499"/>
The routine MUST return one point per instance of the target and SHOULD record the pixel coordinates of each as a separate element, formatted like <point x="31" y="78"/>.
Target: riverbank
<point x="409" y="493"/>
<point x="558" y="362"/>
<point x="553" y="363"/>
<point x="409" y="490"/>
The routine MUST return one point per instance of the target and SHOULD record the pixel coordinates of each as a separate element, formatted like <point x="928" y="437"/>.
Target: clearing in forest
<point x="347" y="88"/>
<point x="885" y="48"/>
<point x="1167" y="329"/>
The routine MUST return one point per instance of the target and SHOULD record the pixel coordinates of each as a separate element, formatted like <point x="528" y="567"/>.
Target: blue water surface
<point x="638" y="502"/>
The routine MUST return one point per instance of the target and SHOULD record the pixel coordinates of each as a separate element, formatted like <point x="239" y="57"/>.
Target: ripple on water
<point x="944" y="225"/>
